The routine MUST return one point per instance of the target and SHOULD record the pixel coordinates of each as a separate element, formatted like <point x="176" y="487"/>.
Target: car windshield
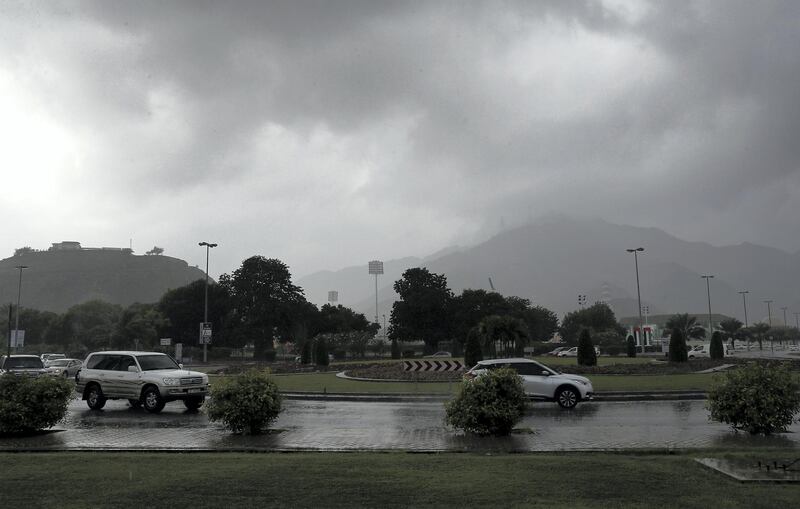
<point x="58" y="363"/>
<point x="23" y="362"/>
<point x="154" y="362"/>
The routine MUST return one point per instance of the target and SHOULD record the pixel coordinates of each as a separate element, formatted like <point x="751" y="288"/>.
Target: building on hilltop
<point x="66" y="245"/>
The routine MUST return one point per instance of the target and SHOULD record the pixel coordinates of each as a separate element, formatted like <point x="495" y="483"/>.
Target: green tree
<point x="472" y="306"/>
<point x="183" y="309"/>
<point x="586" y="354"/>
<point x="422" y="313"/>
<point x="472" y="348"/>
<point x="395" y="349"/>
<point x="343" y="319"/>
<point x="598" y="317"/>
<point x="321" y="352"/>
<point x="731" y="327"/>
<point x="631" y="346"/>
<point x="687" y="325"/>
<point x="265" y="300"/>
<point x="91" y="325"/>
<point x="305" y="355"/>
<point x="716" y="349"/>
<point x="759" y="330"/>
<point x="139" y="327"/>
<point x="677" y="346"/>
<point x="503" y="336"/>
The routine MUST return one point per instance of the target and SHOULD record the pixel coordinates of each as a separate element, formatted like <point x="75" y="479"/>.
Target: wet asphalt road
<point x="413" y="426"/>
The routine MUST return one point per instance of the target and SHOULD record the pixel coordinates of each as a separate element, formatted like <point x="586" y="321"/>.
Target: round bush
<point x="32" y="404"/>
<point x="488" y="405"/>
<point x="757" y="398"/>
<point x="248" y="403"/>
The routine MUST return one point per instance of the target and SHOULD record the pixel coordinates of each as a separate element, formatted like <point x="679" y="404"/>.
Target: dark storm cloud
<point x="438" y="118"/>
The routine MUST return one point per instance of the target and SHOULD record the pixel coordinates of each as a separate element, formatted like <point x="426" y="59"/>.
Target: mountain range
<point x="553" y="260"/>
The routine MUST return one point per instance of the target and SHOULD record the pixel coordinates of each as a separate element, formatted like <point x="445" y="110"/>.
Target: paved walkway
<point x="412" y="426"/>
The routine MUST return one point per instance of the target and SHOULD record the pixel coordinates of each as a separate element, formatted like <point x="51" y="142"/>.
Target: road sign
<point x="432" y="365"/>
<point x="205" y="333"/>
<point x="166" y="341"/>
<point x="17" y="338"/>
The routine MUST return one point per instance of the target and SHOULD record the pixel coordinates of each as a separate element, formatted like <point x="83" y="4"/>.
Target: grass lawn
<point x="211" y="480"/>
<point x="327" y="382"/>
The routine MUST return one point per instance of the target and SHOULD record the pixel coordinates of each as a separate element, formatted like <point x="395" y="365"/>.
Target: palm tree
<point x="503" y="335"/>
<point x="758" y="330"/>
<point x="731" y="328"/>
<point x="687" y="325"/>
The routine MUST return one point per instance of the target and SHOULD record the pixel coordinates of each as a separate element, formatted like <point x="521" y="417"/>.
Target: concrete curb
<point x="424" y="398"/>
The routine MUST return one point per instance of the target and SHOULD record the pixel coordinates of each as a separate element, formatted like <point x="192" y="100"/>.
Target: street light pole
<point x="744" y="302"/>
<point x="208" y="247"/>
<point x="19" y="296"/>
<point x="769" y="314"/>
<point x="636" y="252"/>
<point x="708" y="289"/>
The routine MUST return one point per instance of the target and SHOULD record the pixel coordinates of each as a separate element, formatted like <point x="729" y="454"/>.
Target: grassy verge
<point x="101" y="480"/>
<point x="327" y="382"/>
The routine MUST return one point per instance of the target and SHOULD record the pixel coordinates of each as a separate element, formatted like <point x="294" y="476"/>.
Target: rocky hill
<point x="57" y="280"/>
<point x="552" y="261"/>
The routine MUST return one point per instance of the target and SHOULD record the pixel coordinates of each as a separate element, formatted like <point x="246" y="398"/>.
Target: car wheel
<point x="135" y="403"/>
<point x="152" y="400"/>
<point x="567" y="397"/>
<point x="194" y="403"/>
<point x="95" y="398"/>
<point x="66" y="374"/>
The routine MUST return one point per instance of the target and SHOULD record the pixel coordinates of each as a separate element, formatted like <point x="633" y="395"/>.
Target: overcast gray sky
<point x="330" y="133"/>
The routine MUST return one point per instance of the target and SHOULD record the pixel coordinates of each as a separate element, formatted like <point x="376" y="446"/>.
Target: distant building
<point x="66" y="245"/>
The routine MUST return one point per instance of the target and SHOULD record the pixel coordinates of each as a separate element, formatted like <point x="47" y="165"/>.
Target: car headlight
<point x="172" y="381"/>
<point x="581" y="382"/>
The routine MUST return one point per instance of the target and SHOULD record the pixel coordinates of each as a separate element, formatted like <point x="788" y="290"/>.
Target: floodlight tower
<point x="376" y="268"/>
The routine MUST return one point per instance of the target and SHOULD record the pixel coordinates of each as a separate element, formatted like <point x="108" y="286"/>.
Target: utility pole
<point x="208" y="247"/>
<point x="708" y="289"/>
<point x="636" y="252"/>
<point x="743" y="293"/>
<point x="19" y="297"/>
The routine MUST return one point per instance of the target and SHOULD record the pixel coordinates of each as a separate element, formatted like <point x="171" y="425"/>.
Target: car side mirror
<point x="545" y="372"/>
<point x="180" y="365"/>
<point x="133" y="369"/>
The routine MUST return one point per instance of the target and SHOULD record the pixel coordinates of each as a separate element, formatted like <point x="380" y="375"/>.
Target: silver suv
<point x="541" y="382"/>
<point x="149" y="379"/>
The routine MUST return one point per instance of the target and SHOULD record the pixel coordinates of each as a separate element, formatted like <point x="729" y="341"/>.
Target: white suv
<point x="541" y="382"/>
<point x="150" y="379"/>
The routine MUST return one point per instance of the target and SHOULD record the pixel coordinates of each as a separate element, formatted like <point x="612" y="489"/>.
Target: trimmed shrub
<point x="321" y="353"/>
<point x="631" y="346"/>
<point x="677" y="347"/>
<point x="472" y="348"/>
<point x="408" y="354"/>
<point x="716" y="350"/>
<point x="248" y="403"/>
<point x="32" y="404"/>
<point x="270" y="355"/>
<point x="395" y="349"/>
<point x="488" y="405"/>
<point x="757" y="398"/>
<point x="586" y="354"/>
<point x="305" y="353"/>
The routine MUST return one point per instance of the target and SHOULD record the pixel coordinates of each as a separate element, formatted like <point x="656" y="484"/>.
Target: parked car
<point x="67" y="368"/>
<point x="541" y="382"/>
<point x="573" y="352"/>
<point x="23" y="365"/>
<point x="698" y="352"/>
<point x="439" y="354"/>
<point x="47" y="357"/>
<point x="555" y="351"/>
<point x="148" y="379"/>
<point x="569" y="352"/>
